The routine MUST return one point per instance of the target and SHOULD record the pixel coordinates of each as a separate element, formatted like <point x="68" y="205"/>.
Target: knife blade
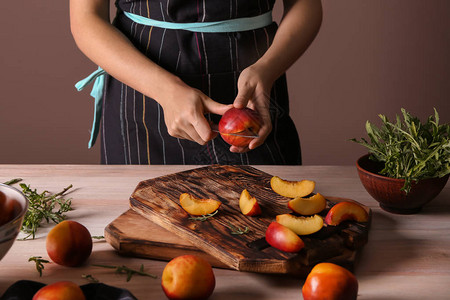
<point x="247" y="134"/>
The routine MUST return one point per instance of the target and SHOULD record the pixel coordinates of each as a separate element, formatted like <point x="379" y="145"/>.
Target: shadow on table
<point x="438" y="206"/>
<point x="387" y="250"/>
<point x="277" y="282"/>
<point x="239" y="294"/>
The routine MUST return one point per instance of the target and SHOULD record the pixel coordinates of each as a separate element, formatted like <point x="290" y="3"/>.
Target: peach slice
<point x="308" y="206"/>
<point x="301" y="225"/>
<point x="196" y="206"/>
<point x="292" y="189"/>
<point x="346" y="211"/>
<point x="283" y="238"/>
<point x="249" y="205"/>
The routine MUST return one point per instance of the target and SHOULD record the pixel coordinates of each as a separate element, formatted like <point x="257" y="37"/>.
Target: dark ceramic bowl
<point x="387" y="191"/>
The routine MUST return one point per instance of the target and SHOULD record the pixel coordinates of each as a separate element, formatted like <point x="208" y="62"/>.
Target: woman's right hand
<point x="184" y="113"/>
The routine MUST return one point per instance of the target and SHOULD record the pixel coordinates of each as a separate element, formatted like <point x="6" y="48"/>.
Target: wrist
<point x="164" y="85"/>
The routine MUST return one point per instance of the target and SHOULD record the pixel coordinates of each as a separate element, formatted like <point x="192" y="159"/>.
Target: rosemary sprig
<point x="39" y="263"/>
<point x="97" y="237"/>
<point x="42" y="206"/>
<point x="13" y="181"/>
<point x="129" y="272"/>
<point x="204" y="217"/>
<point x="409" y="149"/>
<point x="90" y="278"/>
<point x="237" y="230"/>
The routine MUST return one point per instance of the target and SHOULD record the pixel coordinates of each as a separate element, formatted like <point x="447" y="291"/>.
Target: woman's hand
<point x="298" y="28"/>
<point x="184" y="113"/>
<point x="254" y="86"/>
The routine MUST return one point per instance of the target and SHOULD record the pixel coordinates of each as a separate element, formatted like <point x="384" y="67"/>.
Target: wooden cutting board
<point x="157" y="226"/>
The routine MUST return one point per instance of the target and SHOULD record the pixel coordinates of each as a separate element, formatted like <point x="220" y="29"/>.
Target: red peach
<point x="244" y="121"/>
<point x="69" y="244"/>
<point x="330" y="281"/>
<point x="61" y="290"/>
<point x="188" y="277"/>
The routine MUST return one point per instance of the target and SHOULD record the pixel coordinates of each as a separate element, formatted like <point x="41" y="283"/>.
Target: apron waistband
<point x="232" y="25"/>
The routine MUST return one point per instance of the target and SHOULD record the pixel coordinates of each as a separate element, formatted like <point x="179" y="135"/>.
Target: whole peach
<point x="69" y="244"/>
<point x="188" y="277"/>
<point x="243" y="121"/>
<point x="330" y="281"/>
<point x="61" y="290"/>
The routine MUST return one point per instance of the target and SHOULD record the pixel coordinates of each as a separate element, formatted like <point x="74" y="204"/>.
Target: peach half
<point x="292" y="189"/>
<point x="346" y="211"/>
<point x="283" y="238"/>
<point x="196" y="206"/>
<point x="249" y="205"/>
<point x="301" y="225"/>
<point x="308" y="206"/>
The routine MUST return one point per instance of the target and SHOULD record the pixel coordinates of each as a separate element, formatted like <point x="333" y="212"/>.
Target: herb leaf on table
<point x="42" y="206"/>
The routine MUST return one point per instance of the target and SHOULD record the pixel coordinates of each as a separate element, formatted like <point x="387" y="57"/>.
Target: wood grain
<point x="157" y="200"/>
<point x="404" y="253"/>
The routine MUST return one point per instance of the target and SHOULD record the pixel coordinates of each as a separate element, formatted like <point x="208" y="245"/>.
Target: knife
<point x="247" y="134"/>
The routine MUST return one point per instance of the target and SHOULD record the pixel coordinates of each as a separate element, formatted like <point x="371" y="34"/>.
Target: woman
<point x="168" y="77"/>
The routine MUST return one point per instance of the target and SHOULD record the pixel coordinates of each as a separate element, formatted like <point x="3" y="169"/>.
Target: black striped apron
<point x="133" y="130"/>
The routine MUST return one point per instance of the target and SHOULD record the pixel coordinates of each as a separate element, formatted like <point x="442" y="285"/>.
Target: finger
<point x="203" y="129"/>
<point x="214" y="107"/>
<point x="245" y="93"/>
<point x="194" y="135"/>
<point x="236" y="149"/>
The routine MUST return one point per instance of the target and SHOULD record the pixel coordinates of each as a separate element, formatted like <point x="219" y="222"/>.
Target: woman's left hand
<point x="254" y="86"/>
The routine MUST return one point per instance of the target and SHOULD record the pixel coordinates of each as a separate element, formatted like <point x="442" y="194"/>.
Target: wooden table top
<point x="407" y="256"/>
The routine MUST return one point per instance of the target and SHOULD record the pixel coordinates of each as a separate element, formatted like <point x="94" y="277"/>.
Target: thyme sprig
<point x="235" y="230"/>
<point x="128" y="271"/>
<point x="39" y="263"/>
<point x="42" y="206"/>
<point x="90" y="278"/>
<point x="204" y="217"/>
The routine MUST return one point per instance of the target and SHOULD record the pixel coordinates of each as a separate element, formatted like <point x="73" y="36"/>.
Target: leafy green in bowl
<point x="409" y="149"/>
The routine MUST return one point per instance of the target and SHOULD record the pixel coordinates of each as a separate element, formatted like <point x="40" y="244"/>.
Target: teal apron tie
<point x="232" y="25"/>
<point x="97" y="93"/>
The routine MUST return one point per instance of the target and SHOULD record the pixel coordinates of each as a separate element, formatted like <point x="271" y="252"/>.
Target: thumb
<point x="245" y="93"/>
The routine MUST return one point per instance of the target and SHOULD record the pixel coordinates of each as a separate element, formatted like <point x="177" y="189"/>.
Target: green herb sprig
<point x="39" y="263"/>
<point x="90" y="278"/>
<point x="129" y="272"/>
<point x="204" y="217"/>
<point x="409" y="149"/>
<point x="235" y="230"/>
<point x="42" y="206"/>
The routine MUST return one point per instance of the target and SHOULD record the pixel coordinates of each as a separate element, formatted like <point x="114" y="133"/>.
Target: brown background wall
<point x="370" y="57"/>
